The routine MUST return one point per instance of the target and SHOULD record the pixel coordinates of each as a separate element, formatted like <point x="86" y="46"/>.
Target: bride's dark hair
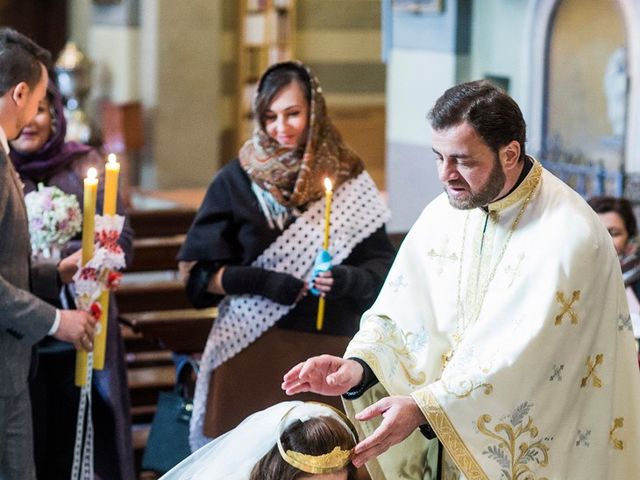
<point x="315" y="436"/>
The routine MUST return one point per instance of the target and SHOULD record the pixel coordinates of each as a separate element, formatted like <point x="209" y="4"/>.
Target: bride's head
<point x="317" y="447"/>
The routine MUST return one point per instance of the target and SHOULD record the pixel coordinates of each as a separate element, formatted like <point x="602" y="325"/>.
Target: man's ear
<point x="510" y="154"/>
<point x="20" y="93"/>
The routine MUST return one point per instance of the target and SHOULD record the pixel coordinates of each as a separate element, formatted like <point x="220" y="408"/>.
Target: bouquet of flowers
<point x="54" y="219"/>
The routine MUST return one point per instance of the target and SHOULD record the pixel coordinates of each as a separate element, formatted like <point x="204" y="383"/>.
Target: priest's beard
<point x="485" y="194"/>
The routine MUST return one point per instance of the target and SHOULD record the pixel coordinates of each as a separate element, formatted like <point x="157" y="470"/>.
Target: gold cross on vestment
<point x="440" y="258"/>
<point x="591" y="371"/>
<point x="567" y="306"/>
<point x="617" y="443"/>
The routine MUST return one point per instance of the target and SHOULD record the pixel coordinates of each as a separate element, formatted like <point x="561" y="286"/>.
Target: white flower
<point x="54" y="218"/>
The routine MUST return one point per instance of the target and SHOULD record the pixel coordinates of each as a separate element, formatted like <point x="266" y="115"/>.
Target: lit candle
<point x="328" y="193"/>
<point x="88" y="240"/>
<point x="112" y="171"/>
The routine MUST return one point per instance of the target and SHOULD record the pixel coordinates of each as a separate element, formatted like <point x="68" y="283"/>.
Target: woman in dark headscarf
<point x="252" y="247"/>
<point x="41" y="155"/>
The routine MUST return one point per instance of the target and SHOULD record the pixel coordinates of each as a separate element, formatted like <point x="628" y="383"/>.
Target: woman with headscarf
<point x="252" y="247"/>
<point x="41" y="155"/>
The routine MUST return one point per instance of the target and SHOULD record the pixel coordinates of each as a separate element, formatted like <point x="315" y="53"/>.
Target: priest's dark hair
<point x="20" y="60"/>
<point x="494" y="115"/>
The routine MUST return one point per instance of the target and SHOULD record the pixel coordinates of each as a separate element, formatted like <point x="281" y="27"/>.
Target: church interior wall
<point x="191" y="111"/>
<point x="577" y="100"/>
<point x="497" y="28"/>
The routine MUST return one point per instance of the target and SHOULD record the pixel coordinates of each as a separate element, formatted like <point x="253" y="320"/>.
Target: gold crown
<point x="330" y="462"/>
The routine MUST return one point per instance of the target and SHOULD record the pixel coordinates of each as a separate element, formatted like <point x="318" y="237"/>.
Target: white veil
<point x="233" y="455"/>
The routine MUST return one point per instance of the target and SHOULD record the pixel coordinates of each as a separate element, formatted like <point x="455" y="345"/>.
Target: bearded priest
<point x="500" y="345"/>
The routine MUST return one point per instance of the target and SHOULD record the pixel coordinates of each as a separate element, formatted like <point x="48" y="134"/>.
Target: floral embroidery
<point x="385" y="332"/>
<point x="515" y="459"/>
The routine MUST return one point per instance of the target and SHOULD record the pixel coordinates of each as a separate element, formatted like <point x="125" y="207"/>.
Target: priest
<point x="500" y="345"/>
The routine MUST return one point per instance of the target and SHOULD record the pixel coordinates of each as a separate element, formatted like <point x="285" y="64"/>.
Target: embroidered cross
<point x="567" y="306"/>
<point x="617" y="443"/>
<point x="583" y="438"/>
<point x="398" y="283"/>
<point x="624" y="322"/>
<point x="512" y="270"/>
<point x="591" y="371"/>
<point x="557" y="373"/>
<point x="440" y="258"/>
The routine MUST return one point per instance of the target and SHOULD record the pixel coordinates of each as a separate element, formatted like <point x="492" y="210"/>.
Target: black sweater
<point x="230" y="229"/>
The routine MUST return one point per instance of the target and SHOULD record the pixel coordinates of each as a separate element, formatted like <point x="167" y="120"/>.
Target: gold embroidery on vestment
<point x="397" y="341"/>
<point x="464" y="387"/>
<point x="441" y="258"/>
<point x="511" y="456"/>
<point x="450" y="438"/>
<point x="567" y="306"/>
<point x="591" y="371"/>
<point x="617" y="424"/>
<point x="481" y="264"/>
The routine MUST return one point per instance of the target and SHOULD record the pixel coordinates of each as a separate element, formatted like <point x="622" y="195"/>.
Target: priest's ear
<point x="509" y="155"/>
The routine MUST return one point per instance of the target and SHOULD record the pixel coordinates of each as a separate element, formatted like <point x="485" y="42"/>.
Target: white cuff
<point x="56" y="324"/>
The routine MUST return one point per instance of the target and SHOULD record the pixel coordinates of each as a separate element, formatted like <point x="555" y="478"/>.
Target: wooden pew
<point x="156" y="317"/>
<point x="180" y="330"/>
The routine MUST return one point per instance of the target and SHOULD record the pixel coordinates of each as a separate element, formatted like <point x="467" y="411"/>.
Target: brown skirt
<point x="250" y="381"/>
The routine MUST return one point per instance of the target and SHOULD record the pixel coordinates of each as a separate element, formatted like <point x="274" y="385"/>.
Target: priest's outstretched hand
<point x="331" y="376"/>
<point x="324" y="374"/>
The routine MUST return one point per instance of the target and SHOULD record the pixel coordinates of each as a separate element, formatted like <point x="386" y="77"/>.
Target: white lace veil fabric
<point x="233" y="455"/>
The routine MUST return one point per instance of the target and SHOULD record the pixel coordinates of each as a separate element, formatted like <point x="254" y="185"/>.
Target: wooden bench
<point x="179" y="330"/>
<point x="156" y="317"/>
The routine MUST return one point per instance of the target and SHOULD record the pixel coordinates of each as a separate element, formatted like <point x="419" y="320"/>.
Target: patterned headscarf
<point x="295" y="176"/>
<point x="55" y="154"/>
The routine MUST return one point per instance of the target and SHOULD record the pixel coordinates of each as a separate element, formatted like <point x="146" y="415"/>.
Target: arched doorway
<point x="540" y="30"/>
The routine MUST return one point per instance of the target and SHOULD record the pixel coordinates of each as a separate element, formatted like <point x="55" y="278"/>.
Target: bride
<point x="290" y="440"/>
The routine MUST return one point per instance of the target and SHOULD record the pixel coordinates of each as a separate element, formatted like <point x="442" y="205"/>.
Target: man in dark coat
<point x="24" y="319"/>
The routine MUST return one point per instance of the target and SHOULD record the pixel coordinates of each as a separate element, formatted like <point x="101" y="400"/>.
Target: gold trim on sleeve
<point x="447" y="434"/>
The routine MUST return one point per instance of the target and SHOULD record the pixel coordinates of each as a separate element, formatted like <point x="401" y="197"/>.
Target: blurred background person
<point x="41" y="155"/>
<point x="617" y="216"/>
<point x="254" y="240"/>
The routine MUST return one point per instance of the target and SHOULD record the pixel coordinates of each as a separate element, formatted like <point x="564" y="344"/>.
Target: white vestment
<point x="528" y="304"/>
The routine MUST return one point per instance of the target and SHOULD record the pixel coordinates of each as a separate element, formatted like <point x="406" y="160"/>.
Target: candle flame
<point x="327" y="184"/>
<point x="111" y="158"/>
<point x="92" y="173"/>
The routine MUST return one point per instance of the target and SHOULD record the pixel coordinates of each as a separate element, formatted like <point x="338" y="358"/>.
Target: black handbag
<point x="168" y="442"/>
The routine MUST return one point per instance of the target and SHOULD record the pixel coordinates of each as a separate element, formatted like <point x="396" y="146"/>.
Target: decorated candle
<point x="88" y="240"/>
<point x="328" y="193"/>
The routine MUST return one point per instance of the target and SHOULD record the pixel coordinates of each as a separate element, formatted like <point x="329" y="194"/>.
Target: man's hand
<point x="77" y="327"/>
<point x="401" y="416"/>
<point x="325" y="375"/>
<point x="68" y="266"/>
